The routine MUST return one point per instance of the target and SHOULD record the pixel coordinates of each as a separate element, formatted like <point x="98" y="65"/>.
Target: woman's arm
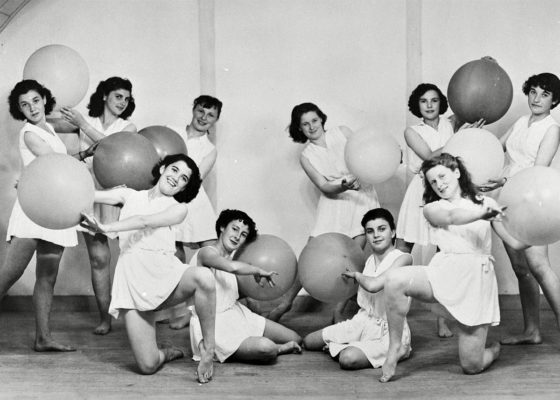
<point x="76" y="118"/>
<point x="419" y="145"/>
<point x="328" y="187"/>
<point x="207" y="163"/>
<point x="171" y="216"/>
<point x="114" y="196"/>
<point x="548" y="146"/>
<point x="438" y="215"/>
<point x="512" y="242"/>
<point x="375" y="284"/>
<point x="35" y="144"/>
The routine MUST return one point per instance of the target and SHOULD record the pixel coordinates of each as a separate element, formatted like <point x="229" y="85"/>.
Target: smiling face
<point x="379" y="235"/>
<point x="311" y="125"/>
<point x="444" y="181"/>
<point x="203" y="118"/>
<point x="540" y="101"/>
<point x="429" y="105"/>
<point x="32" y="106"/>
<point x="234" y="235"/>
<point x="174" y="178"/>
<point x="117" y="101"/>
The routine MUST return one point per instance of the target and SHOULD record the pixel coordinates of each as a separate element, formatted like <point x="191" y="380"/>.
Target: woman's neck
<point x="193" y="133"/>
<point x="538" y="117"/>
<point x="381" y="256"/>
<point x="107" y="118"/>
<point x="434" y="123"/>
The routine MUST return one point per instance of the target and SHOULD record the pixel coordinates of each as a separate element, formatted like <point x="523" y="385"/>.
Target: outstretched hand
<point x="492" y="213"/>
<point x="72" y="116"/>
<point x="348" y="274"/>
<point x="263" y="277"/>
<point x="477" y="124"/>
<point x="350" y="182"/>
<point x="92" y="224"/>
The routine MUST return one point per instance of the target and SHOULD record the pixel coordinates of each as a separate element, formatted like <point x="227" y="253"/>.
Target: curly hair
<point x="24" y="87"/>
<point x="97" y="103"/>
<point x="414" y="99"/>
<point x="206" y="101"/>
<point x="295" y="133"/>
<point x="193" y="185"/>
<point x="468" y="189"/>
<point x="226" y="216"/>
<point x="546" y="81"/>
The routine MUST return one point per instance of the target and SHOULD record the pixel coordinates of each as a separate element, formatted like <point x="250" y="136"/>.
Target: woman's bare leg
<point x="100" y="260"/>
<point x="18" y="255"/>
<point x="314" y="341"/>
<point x="473" y="354"/>
<point x="48" y="261"/>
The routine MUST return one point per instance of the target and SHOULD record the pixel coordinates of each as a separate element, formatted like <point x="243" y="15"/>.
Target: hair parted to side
<point x="414" y="99"/>
<point x="228" y="215"/>
<point x="24" y="87"/>
<point x="97" y="103"/>
<point x="295" y="133"/>
<point x="193" y="185"/>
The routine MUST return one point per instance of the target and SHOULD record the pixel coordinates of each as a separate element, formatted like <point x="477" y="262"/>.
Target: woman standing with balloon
<point x="148" y="276"/>
<point x="109" y="106"/>
<point x="343" y="199"/>
<point x="533" y="140"/>
<point x="461" y="277"/>
<point x="241" y="335"/>
<point x="29" y="101"/>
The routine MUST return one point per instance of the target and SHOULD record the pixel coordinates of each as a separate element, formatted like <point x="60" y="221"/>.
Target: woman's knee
<point x="148" y="366"/>
<point x="348" y="360"/>
<point x="472" y="366"/>
<point x="204" y="279"/>
<point x="100" y="257"/>
<point x="267" y="351"/>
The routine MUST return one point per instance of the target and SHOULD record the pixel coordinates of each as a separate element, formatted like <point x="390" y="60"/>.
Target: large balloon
<point x="270" y="253"/>
<point x="480" y="89"/>
<point x="481" y="152"/>
<point x="60" y="69"/>
<point x="165" y="140"/>
<point x="125" y="158"/>
<point x="322" y="262"/>
<point x="533" y="200"/>
<point x="372" y="157"/>
<point x="54" y="189"/>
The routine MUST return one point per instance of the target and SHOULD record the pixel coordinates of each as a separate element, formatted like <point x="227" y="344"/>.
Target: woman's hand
<point x="492" y="184"/>
<point x="477" y="124"/>
<point x="72" y="116"/>
<point x="92" y="224"/>
<point x="350" y="182"/>
<point x="348" y="274"/>
<point x="262" y="277"/>
<point x="493" y="212"/>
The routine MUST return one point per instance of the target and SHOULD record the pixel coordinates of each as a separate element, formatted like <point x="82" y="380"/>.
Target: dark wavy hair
<point x="97" y="104"/>
<point x="207" y="101"/>
<point x="295" y="133"/>
<point x="379" y="213"/>
<point x="226" y="216"/>
<point x="414" y="99"/>
<point x="546" y="81"/>
<point x="193" y="185"/>
<point x="468" y="189"/>
<point x="23" y="87"/>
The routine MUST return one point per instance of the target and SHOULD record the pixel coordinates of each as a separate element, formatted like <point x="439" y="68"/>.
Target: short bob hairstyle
<point x="468" y="188"/>
<point x="24" y="87"/>
<point x="97" y="103"/>
<point x="226" y="216"/>
<point x="206" y="101"/>
<point x="193" y="185"/>
<point x="414" y="99"/>
<point x="546" y="81"/>
<point x="380" y="213"/>
<point x="295" y="132"/>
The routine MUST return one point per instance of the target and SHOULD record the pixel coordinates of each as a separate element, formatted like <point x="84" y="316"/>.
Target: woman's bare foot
<point x="171" y="353"/>
<point x="443" y="330"/>
<point x="180" y="322"/>
<point x="278" y="311"/>
<point x="523" y="338"/>
<point x="290" y="347"/>
<point x="205" y="369"/>
<point x="494" y="348"/>
<point x="42" y="345"/>
<point x="390" y="365"/>
<point x="103" y="328"/>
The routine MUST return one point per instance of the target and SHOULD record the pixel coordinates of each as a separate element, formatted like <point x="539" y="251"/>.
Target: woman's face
<point x="540" y="101"/>
<point x="379" y="235"/>
<point x="429" y="105"/>
<point x="32" y="106"/>
<point x="117" y="101"/>
<point x="174" y="178"/>
<point x="234" y="235"/>
<point x="444" y="181"/>
<point x="311" y="125"/>
<point x="203" y="119"/>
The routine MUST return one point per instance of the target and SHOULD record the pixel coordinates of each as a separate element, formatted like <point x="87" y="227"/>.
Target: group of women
<point x="441" y="206"/>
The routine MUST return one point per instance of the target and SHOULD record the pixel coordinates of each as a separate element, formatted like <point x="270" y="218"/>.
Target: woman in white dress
<point x="148" y="276"/>
<point x="343" y="199"/>
<point x="241" y="335"/>
<point x="30" y="102"/>
<point x="109" y="106"/>
<point x="533" y="140"/>
<point x="363" y="341"/>
<point x="461" y="276"/>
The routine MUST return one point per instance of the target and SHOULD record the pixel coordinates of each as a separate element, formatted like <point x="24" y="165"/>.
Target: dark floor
<point x="103" y="367"/>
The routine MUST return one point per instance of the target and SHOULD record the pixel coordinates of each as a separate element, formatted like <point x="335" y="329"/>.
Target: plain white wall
<point x="348" y="56"/>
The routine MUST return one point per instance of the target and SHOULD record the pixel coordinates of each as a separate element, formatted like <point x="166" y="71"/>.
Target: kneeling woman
<point x="461" y="276"/>
<point x="148" y="276"/>
<point x="241" y="335"/>
<point x="363" y="341"/>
